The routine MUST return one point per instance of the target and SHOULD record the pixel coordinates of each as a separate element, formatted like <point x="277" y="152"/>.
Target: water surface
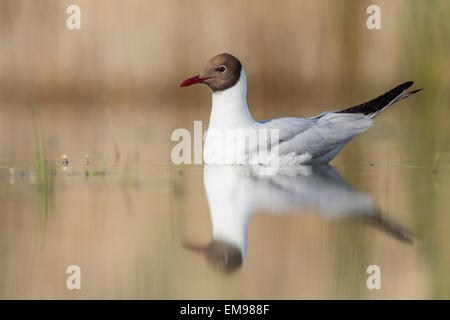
<point x="150" y="231"/>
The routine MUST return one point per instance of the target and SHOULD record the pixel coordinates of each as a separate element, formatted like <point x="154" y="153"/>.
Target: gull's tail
<point x="373" y="107"/>
<point x="395" y="230"/>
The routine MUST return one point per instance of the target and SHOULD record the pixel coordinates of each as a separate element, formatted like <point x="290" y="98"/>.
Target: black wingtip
<point x="405" y="85"/>
<point x="375" y="106"/>
<point x="415" y="91"/>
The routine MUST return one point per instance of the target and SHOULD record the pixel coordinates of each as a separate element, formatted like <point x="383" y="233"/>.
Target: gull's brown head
<point x="220" y="73"/>
<point x="221" y="255"/>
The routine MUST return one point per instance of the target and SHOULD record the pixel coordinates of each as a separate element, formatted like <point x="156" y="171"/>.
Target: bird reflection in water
<point x="234" y="193"/>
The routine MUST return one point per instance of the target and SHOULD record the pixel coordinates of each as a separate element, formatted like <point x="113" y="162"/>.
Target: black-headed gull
<point x="315" y="140"/>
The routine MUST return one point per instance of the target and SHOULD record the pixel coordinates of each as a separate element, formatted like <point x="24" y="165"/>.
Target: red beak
<point x="193" y="80"/>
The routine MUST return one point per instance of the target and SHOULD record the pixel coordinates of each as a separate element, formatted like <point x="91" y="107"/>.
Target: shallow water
<point x="142" y="230"/>
<point x="141" y="227"/>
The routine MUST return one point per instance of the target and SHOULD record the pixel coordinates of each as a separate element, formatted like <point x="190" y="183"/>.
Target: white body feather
<point x="301" y="140"/>
<point x="235" y="192"/>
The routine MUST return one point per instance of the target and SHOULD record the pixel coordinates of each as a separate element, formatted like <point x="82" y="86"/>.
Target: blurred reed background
<point x="301" y="58"/>
<point x="113" y="87"/>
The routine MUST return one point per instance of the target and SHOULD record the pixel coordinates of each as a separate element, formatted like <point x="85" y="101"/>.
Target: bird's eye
<point x="221" y="69"/>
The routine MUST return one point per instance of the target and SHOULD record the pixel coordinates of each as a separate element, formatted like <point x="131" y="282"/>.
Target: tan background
<point x="125" y="228"/>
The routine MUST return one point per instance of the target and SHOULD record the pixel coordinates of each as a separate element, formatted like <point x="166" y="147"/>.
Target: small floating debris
<point x="94" y="173"/>
<point x="65" y="163"/>
<point x="65" y="160"/>
<point x="372" y="164"/>
<point x="91" y="172"/>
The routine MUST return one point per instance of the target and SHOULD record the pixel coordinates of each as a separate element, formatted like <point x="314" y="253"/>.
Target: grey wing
<point x="317" y="136"/>
<point x="287" y="127"/>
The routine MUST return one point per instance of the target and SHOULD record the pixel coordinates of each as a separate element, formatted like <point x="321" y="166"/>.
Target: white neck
<point x="230" y="209"/>
<point x="229" y="107"/>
